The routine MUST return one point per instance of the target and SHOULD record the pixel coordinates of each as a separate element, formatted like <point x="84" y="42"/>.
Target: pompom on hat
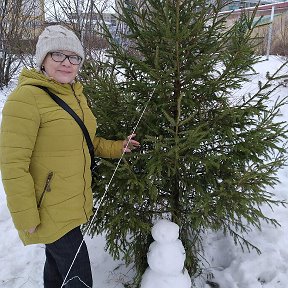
<point x="55" y="38"/>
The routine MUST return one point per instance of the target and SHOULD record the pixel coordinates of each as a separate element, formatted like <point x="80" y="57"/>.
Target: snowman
<point x="166" y="257"/>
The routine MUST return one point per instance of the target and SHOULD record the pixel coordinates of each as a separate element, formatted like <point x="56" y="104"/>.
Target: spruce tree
<point x="206" y="157"/>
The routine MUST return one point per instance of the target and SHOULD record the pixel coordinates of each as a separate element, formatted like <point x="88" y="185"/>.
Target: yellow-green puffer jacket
<point x="45" y="163"/>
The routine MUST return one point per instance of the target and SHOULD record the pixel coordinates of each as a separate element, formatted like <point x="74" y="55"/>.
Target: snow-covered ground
<point x="22" y="266"/>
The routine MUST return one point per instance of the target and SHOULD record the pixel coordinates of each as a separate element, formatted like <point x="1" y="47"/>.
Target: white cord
<point x="105" y="193"/>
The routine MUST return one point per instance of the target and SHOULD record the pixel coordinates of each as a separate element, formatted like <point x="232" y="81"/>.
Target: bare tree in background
<point x="18" y="23"/>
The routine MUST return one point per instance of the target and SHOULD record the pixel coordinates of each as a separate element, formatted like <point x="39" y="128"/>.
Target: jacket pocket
<point x="47" y="188"/>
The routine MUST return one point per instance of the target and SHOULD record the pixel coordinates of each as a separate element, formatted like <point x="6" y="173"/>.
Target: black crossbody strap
<point x="67" y="108"/>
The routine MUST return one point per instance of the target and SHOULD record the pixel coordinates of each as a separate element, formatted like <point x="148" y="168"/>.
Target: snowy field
<point x="21" y="267"/>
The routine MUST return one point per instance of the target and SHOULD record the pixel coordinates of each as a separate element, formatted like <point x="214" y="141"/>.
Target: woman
<point x="45" y="162"/>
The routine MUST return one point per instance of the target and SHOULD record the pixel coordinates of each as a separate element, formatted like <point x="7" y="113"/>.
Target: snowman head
<point x="165" y="231"/>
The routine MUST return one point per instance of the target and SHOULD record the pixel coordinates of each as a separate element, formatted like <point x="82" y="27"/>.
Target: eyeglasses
<point x="61" y="57"/>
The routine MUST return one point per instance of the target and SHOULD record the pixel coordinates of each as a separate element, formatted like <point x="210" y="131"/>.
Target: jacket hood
<point x="35" y="77"/>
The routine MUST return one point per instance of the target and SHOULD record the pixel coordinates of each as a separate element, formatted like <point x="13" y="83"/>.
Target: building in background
<point x="231" y="5"/>
<point x="93" y="21"/>
<point x="239" y="4"/>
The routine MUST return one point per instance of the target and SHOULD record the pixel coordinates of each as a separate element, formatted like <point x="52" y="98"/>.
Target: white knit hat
<point x="55" y="38"/>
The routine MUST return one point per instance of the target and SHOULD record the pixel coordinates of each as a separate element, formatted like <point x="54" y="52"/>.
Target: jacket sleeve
<point x="19" y="128"/>
<point x="107" y="148"/>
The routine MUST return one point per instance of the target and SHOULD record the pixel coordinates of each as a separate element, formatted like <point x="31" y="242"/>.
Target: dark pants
<point x="59" y="257"/>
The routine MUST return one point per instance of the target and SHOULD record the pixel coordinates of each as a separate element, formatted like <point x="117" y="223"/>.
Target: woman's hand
<point x="130" y="144"/>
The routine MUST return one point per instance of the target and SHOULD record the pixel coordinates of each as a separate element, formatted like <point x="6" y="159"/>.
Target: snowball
<point x="152" y="279"/>
<point x="166" y="258"/>
<point x="165" y="231"/>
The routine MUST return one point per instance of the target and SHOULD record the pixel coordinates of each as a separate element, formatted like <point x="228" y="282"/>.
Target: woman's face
<point x="57" y="66"/>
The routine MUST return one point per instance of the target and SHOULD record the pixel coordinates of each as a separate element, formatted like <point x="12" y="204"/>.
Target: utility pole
<point x="270" y="32"/>
<point x="80" y="17"/>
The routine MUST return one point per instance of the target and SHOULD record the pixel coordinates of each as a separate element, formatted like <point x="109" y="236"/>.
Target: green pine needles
<point x="207" y="156"/>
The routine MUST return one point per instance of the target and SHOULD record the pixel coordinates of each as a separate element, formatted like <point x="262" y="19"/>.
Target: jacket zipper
<point x="78" y="100"/>
<point x="47" y="188"/>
